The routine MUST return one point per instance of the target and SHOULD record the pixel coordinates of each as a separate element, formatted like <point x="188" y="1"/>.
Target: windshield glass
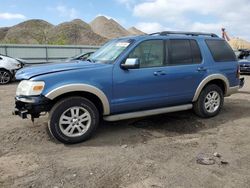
<point x="110" y="51"/>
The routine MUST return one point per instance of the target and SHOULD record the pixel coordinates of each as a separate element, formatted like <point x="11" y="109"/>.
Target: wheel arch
<point x="217" y="79"/>
<point x="90" y="92"/>
<point x="4" y="69"/>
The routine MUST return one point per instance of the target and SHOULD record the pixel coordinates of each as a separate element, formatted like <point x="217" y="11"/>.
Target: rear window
<point x="220" y="50"/>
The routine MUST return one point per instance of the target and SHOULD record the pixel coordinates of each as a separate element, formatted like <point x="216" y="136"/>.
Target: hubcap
<point x="212" y="101"/>
<point x="4" y="77"/>
<point x="75" y="121"/>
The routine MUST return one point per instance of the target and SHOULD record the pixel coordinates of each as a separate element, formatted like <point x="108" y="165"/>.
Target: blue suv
<point x="130" y="77"/>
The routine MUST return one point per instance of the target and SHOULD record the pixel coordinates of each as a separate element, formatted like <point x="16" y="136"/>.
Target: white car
<point x="8" y="68"/>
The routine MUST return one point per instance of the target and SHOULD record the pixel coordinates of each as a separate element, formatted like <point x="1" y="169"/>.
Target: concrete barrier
<point x="44" y="53"/>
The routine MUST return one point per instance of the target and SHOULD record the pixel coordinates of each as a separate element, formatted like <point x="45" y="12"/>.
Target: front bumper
<point x="244" y="69"/>
<point x="33" y="106"/>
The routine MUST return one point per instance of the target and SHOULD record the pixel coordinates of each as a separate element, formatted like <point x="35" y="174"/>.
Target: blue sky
<point x="56" y="12"/>
<point x="147" y="15"/>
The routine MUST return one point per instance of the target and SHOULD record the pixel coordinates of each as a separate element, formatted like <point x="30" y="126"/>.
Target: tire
<point x="5" y="77"/>
<point x="73" y="120"/>
<point x="210" y="101"/>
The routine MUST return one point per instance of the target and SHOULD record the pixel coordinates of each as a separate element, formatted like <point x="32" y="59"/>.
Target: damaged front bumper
<point x="32" y="106"/>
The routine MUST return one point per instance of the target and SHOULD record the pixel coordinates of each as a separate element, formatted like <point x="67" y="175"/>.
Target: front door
<point x="145" y="87"/>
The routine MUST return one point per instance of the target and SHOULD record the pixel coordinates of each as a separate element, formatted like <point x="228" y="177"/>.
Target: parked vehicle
<point x="8" y="67"/>
<point x="128" y="78"/>
<point x="83" y="56"/>
<point x="244" y="61"/>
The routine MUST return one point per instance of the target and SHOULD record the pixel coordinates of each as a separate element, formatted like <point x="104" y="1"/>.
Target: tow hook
<point x="22" y="114"/>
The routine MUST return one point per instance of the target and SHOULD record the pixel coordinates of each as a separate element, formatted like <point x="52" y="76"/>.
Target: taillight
<point x="238" y="72"/>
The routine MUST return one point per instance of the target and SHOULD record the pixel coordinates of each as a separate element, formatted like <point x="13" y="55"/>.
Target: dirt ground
<point x="157" y="151"/>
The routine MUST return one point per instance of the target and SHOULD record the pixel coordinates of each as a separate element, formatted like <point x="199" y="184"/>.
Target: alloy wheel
<point x="212" y="101"/>
<point x="4" y="77"/>
<point x="75" y="121"/>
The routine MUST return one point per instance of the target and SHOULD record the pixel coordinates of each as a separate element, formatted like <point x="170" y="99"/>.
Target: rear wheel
<point x="73" y="120"/>
<point x="5" y="77"/>
<point x="210" y="101"/>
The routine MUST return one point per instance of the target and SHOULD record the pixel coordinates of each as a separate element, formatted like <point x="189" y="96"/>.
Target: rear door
<point x="184" y="71"/>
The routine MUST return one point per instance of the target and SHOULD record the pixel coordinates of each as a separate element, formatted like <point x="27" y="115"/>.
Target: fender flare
<point x="208" y="79"/>
<point x="81" y="87"/>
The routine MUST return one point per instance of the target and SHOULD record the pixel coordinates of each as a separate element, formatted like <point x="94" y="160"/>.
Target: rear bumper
<point x="233" y="90"/>
<point x="33" y="106"/>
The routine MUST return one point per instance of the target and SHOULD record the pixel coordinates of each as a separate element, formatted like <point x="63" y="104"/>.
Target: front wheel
<point x="210" y="101"/>
<point x="73" y="120"/>
<point x="5" y="77"/>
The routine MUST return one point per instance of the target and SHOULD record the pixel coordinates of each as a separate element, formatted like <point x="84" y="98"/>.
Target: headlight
<point x="19" y="65"/>
<point x="30" y="88"/>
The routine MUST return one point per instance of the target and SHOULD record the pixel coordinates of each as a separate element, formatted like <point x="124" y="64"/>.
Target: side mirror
<point x="131" y="63"/>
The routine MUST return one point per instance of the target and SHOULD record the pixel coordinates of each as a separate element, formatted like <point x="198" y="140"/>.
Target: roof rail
<point x="184" y="33"/>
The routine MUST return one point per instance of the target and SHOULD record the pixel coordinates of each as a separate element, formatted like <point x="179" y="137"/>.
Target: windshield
<point x="110" y="51"/>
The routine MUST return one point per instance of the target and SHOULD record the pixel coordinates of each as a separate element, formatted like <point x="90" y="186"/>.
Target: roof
<point x="169" y="34"/>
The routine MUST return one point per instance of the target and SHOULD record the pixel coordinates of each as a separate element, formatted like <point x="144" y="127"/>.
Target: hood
<point x="21" y="60"/>
<point x="36" y="70"/>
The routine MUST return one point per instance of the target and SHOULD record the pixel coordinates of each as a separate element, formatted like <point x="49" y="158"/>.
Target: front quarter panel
<point x="98" y="78"/>
<point x="9" y="63"/>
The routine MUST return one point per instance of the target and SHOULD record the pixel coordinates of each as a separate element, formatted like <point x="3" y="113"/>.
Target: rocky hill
<point x="76" y="32"/>
<point x="108" y="28"/>
<point x="28" y="32"/>
<point x="237" y="43"/>
<point x="3" y="32"/>
<point x="135" y="31"/>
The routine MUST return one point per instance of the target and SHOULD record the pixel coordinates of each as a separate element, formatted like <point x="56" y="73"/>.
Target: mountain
<point x="28" y="32"/>
<point x="75" y="32"/>
<point x="108" y="28"/>
<point x="3" y="32"/>
<point x="135" y="31"/>
<point x="237" y="43"/>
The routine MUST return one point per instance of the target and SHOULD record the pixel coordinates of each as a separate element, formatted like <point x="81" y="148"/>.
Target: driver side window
<point x="150" y="53"/>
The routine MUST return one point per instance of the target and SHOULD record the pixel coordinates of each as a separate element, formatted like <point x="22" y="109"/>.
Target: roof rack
<point x="184" y="33"/>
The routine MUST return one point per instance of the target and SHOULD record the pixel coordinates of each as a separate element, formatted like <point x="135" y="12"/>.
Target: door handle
<point x="201" y="69"/>
<point x="157" y="73"/>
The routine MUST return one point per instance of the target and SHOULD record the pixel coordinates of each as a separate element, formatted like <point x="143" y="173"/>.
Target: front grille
<point x="245" y="65"/>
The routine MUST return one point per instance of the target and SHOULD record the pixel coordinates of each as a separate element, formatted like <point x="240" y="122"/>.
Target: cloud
<point x="10" y="16"/>
<point x="196" y="15"/>
<point x="151" y="27"/>
<point x="128" y="3"/>
<point x="66" y="11"/>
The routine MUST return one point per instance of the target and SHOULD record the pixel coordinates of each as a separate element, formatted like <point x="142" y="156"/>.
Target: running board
<point x="144" y="113"/>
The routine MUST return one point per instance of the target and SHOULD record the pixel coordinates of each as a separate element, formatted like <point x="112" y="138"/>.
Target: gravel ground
<point x="157" y="151"/>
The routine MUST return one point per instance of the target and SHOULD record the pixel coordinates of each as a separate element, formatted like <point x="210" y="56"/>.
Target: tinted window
<point x="181" y="52"/>
<point x="220" y="50"/>
<point x="150" y="53"/>
<point x="196" y="53"/>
